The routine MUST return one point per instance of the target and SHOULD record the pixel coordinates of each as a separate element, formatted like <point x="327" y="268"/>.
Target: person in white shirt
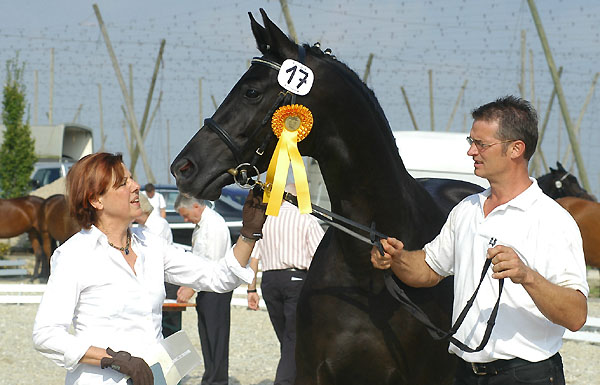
<point x="106" y="290"/>
<point x="533" y="244"/>
<point x="211" y="240"/>
<point x="157" y="225"/>
<point x="289" y="242"/>
<point x="156" y="199"/>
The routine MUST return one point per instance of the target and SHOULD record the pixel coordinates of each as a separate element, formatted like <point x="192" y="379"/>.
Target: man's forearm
<point x="561" y="305"/>
<point x="412" y="269"/>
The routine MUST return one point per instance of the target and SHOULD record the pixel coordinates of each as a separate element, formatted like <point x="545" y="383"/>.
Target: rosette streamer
<point x="291" y="124"/>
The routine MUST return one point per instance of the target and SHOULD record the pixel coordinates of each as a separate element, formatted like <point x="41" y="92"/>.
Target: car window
<point x="46" y="175"/>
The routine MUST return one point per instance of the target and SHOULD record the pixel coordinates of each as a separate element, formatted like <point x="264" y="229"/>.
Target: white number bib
<point x="295" y="77"/>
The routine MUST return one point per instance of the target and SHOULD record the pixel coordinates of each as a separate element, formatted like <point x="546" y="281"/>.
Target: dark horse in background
<point x="559" y="183"/>
<point x="21" y="215"/>
<point x="56" y="225"/>
<point x="563" y="186"/>
<point x="349" y="329"/>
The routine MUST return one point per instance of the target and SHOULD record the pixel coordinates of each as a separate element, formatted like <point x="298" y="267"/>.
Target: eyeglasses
<point x="484" y="146"/>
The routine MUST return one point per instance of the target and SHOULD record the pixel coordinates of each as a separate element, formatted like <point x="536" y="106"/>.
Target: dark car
<point x="229" y="205"/>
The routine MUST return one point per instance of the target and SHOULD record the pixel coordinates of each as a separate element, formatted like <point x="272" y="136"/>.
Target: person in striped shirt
<point x="285" y="251"/>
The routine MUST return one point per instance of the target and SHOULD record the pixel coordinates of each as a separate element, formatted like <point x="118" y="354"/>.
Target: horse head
<point x="240" y="128"/>
<point x="561" y="183"/>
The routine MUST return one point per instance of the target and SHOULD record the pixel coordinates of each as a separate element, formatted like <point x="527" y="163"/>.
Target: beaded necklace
<point x="126" y="248"/>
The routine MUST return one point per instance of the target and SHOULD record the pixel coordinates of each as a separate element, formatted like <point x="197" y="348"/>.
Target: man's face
<point x="490" y="160"/>
<point x="191" y="215"/>
<point x="150" y="194"/>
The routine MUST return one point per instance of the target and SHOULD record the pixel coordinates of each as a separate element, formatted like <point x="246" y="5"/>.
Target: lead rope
<point x="395" y="290"/>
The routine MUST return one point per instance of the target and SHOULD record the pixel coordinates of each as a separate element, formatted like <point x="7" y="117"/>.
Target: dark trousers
<point x="280" y="290"/>
<point x="214" y="318"/>
<point x="548" y="372"/>
<point x="171" y="320"/>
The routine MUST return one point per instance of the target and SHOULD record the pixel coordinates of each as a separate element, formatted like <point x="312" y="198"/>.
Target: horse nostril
<point x="185" y="167"/>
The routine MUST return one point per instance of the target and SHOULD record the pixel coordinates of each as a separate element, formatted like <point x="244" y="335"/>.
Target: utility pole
<point x="523" y="49"/>
<point x="561" y="96"/>
<point x="368" y="68"/>
<point x="200" y="116"/>
<point x="460" y="94"/>
<point x="288" y="20"/>
<point x="431" y="100"/>
<point x="76" y="117"/>
<point x="168" y="152"/>
<point x="130" y="110"/>
<point x="567" y="156"/>
<point x="539" y="154"/>
<point x="102" y="136"/>
<point x="50" y="105"/>
<point x="35" y="97"/>
<point x="143" y="128"/>
<point x="412" y="116"/>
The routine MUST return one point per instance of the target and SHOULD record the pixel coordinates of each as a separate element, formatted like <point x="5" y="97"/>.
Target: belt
<point x="290" y="269"/>
<point x="495" y="367"/>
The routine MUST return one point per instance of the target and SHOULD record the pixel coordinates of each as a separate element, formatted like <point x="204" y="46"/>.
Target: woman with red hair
<point x="106" y="281"/>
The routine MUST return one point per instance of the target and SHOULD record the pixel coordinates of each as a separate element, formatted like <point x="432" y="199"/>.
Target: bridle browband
<point x="241" y="177"/>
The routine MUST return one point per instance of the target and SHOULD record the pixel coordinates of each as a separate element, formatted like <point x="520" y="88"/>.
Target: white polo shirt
<point x="545" y="237"/>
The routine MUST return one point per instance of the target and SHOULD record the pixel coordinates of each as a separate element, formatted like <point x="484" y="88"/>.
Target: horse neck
<point x="361" y="167"/>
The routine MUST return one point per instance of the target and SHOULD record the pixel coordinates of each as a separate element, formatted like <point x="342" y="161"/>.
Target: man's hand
<point x="392" y="250"/>
<point x="253" y="216"/>
<point x="253" y="300"/>
<point x="136" y="368"/>
<point x="507" y="264"/>
<point x="184" y="294"/>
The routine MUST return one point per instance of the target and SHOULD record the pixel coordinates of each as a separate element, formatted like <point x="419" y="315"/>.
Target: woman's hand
<point x="253" y="216"/>
<point x="136" y="368"/>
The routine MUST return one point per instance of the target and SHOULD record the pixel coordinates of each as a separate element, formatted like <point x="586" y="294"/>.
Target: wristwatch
<point x="249" y="240"/>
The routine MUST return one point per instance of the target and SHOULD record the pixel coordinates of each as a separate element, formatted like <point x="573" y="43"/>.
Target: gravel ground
<point x="253" y="353"/>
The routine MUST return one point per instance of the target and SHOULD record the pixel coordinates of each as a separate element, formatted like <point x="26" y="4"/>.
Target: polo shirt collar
<point x="522" y="201"/>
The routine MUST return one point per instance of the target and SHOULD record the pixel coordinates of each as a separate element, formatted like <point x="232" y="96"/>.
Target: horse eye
<point x="252" y="93"/>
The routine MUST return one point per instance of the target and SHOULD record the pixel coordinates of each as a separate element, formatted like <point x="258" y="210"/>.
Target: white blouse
<point x="93" y="291"/>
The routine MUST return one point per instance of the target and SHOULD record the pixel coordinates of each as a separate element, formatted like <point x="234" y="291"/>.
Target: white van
<point x="430" y="154"/>
<point x="57" y="148"/>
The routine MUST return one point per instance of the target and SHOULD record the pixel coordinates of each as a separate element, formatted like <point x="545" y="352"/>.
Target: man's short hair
<point x="517" y="119"/>
<point x="187" y="202"/>
<point x="149" y="187"/>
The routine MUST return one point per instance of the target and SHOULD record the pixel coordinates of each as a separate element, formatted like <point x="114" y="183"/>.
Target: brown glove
<point x="253" y="215"/>
<point x="136" y="368"/>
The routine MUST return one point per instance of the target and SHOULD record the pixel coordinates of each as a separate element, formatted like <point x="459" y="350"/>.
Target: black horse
<point x="559" y="183"/>
<point x="349" y="329"/>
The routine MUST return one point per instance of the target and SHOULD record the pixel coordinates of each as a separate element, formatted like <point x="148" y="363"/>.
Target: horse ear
<point x="260" y="34"/>
<point x="560" y="166"/>
<point x="280" y="44"/>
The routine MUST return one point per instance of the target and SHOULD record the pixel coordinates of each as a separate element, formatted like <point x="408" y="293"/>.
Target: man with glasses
<point x="531" y="241"/>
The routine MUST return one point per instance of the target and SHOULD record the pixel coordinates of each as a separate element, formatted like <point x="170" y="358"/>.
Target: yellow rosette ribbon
<point x="291" y="124"/>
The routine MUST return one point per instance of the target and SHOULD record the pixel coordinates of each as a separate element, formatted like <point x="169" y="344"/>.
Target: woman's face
<point x="122" y="201"/>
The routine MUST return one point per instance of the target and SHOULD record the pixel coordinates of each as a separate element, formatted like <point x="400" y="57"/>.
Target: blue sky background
<point x="477" y="41"/>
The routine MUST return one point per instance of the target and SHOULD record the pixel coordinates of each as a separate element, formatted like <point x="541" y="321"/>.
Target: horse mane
<point x="353" y="77"/>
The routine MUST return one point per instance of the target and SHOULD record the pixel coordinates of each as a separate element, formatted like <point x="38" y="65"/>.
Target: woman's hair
<point x="89" y="178"/>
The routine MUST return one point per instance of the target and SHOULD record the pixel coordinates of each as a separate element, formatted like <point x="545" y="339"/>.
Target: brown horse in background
<point x="21" y="215"/>
<point x="587" y="215"/>
<point x="56" y="225"/>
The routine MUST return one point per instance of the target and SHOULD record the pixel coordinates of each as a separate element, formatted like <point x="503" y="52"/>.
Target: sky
<point x="209" y="45"/>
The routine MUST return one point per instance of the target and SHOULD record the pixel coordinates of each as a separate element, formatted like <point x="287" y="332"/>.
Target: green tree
<point x="17" y="153"/>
